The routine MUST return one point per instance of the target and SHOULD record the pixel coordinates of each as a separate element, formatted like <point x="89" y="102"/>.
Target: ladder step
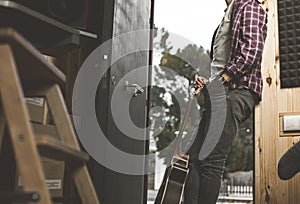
<point x="63" y="200"/>
<point x="54" y="149"/>
<point x="19" y="196"/>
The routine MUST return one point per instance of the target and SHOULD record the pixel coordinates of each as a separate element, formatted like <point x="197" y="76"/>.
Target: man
<point x="230" y="96"/>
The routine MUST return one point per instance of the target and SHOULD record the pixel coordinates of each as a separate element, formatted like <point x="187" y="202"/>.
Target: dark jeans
<point x="289" y="163"/>
<point x="224" y="111"/>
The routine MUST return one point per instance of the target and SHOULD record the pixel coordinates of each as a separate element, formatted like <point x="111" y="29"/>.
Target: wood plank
<point x="283" y="106"/>
<point x="20" y="130"/>
<point x="2" y="124"/>
<point x="282" y="102"/>
<point x="258" y="155"/>
<point x="30" y="61"/>
<point x="290" y="183"/>
<point x="296" y="109"/>
<point x="296" y="99"/>
<point x="54" y="149"/>
<point x="267" y="130"/>
<point x="273" y="110"/>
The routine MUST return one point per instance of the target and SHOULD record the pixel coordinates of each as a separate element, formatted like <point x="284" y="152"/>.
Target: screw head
<point x="35" y="197"/>
<point x="21" y="138"/>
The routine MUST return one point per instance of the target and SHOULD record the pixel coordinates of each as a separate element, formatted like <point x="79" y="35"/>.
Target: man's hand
<point x="226" y="76"/>
<point x="200" y="81"/>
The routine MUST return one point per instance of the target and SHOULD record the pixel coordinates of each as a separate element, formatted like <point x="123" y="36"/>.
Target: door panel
<point x="126" y="112"/>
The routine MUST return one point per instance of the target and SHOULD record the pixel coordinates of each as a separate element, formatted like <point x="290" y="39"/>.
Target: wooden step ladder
<point x="25" y="72"/>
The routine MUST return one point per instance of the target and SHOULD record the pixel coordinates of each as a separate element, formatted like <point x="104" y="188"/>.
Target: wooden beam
<point x="2" y="124"/>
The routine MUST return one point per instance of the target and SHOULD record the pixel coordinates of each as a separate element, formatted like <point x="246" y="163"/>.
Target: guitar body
<point x="174" y="182"/>
<point x="172" y="188"/>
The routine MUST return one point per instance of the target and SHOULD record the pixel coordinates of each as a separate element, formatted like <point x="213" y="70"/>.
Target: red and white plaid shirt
<point x="249" y="30"/>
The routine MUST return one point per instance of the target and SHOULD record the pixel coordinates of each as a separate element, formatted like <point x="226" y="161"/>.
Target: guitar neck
<point x="182" y="128"/>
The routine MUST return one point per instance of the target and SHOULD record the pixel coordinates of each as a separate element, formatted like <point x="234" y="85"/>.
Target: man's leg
<point x="193" y="181"/>
<point x="215" y="104"/>
<point x="240" y="104"/>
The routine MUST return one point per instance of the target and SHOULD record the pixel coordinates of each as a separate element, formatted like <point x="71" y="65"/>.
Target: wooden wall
<point x="269" y="145"/>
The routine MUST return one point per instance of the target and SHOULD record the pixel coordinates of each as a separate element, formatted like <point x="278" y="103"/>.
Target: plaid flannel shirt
<point x="249" y="30"/>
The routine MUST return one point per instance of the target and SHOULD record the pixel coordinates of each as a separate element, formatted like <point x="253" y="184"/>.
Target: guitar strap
<point x="182" y="128"/>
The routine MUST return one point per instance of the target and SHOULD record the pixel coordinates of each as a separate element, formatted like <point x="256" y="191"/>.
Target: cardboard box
<point x="54" y="173"/>
<point x="37" y="109"/>
<point x="53" y="169"/>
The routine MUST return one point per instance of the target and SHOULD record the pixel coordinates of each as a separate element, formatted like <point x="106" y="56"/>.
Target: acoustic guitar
<point x="175" y="176"/>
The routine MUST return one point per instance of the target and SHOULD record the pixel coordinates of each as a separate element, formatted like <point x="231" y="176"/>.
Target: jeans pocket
<point x="243" y="104"/>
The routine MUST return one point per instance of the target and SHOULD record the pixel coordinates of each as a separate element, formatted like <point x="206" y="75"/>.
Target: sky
<point x="194" y="20"/>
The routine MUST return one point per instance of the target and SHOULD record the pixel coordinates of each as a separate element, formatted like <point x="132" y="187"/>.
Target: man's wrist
<point x="226" y="76"/>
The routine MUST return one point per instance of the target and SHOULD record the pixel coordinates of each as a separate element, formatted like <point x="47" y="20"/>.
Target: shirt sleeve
<point x="251" y="41"/>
